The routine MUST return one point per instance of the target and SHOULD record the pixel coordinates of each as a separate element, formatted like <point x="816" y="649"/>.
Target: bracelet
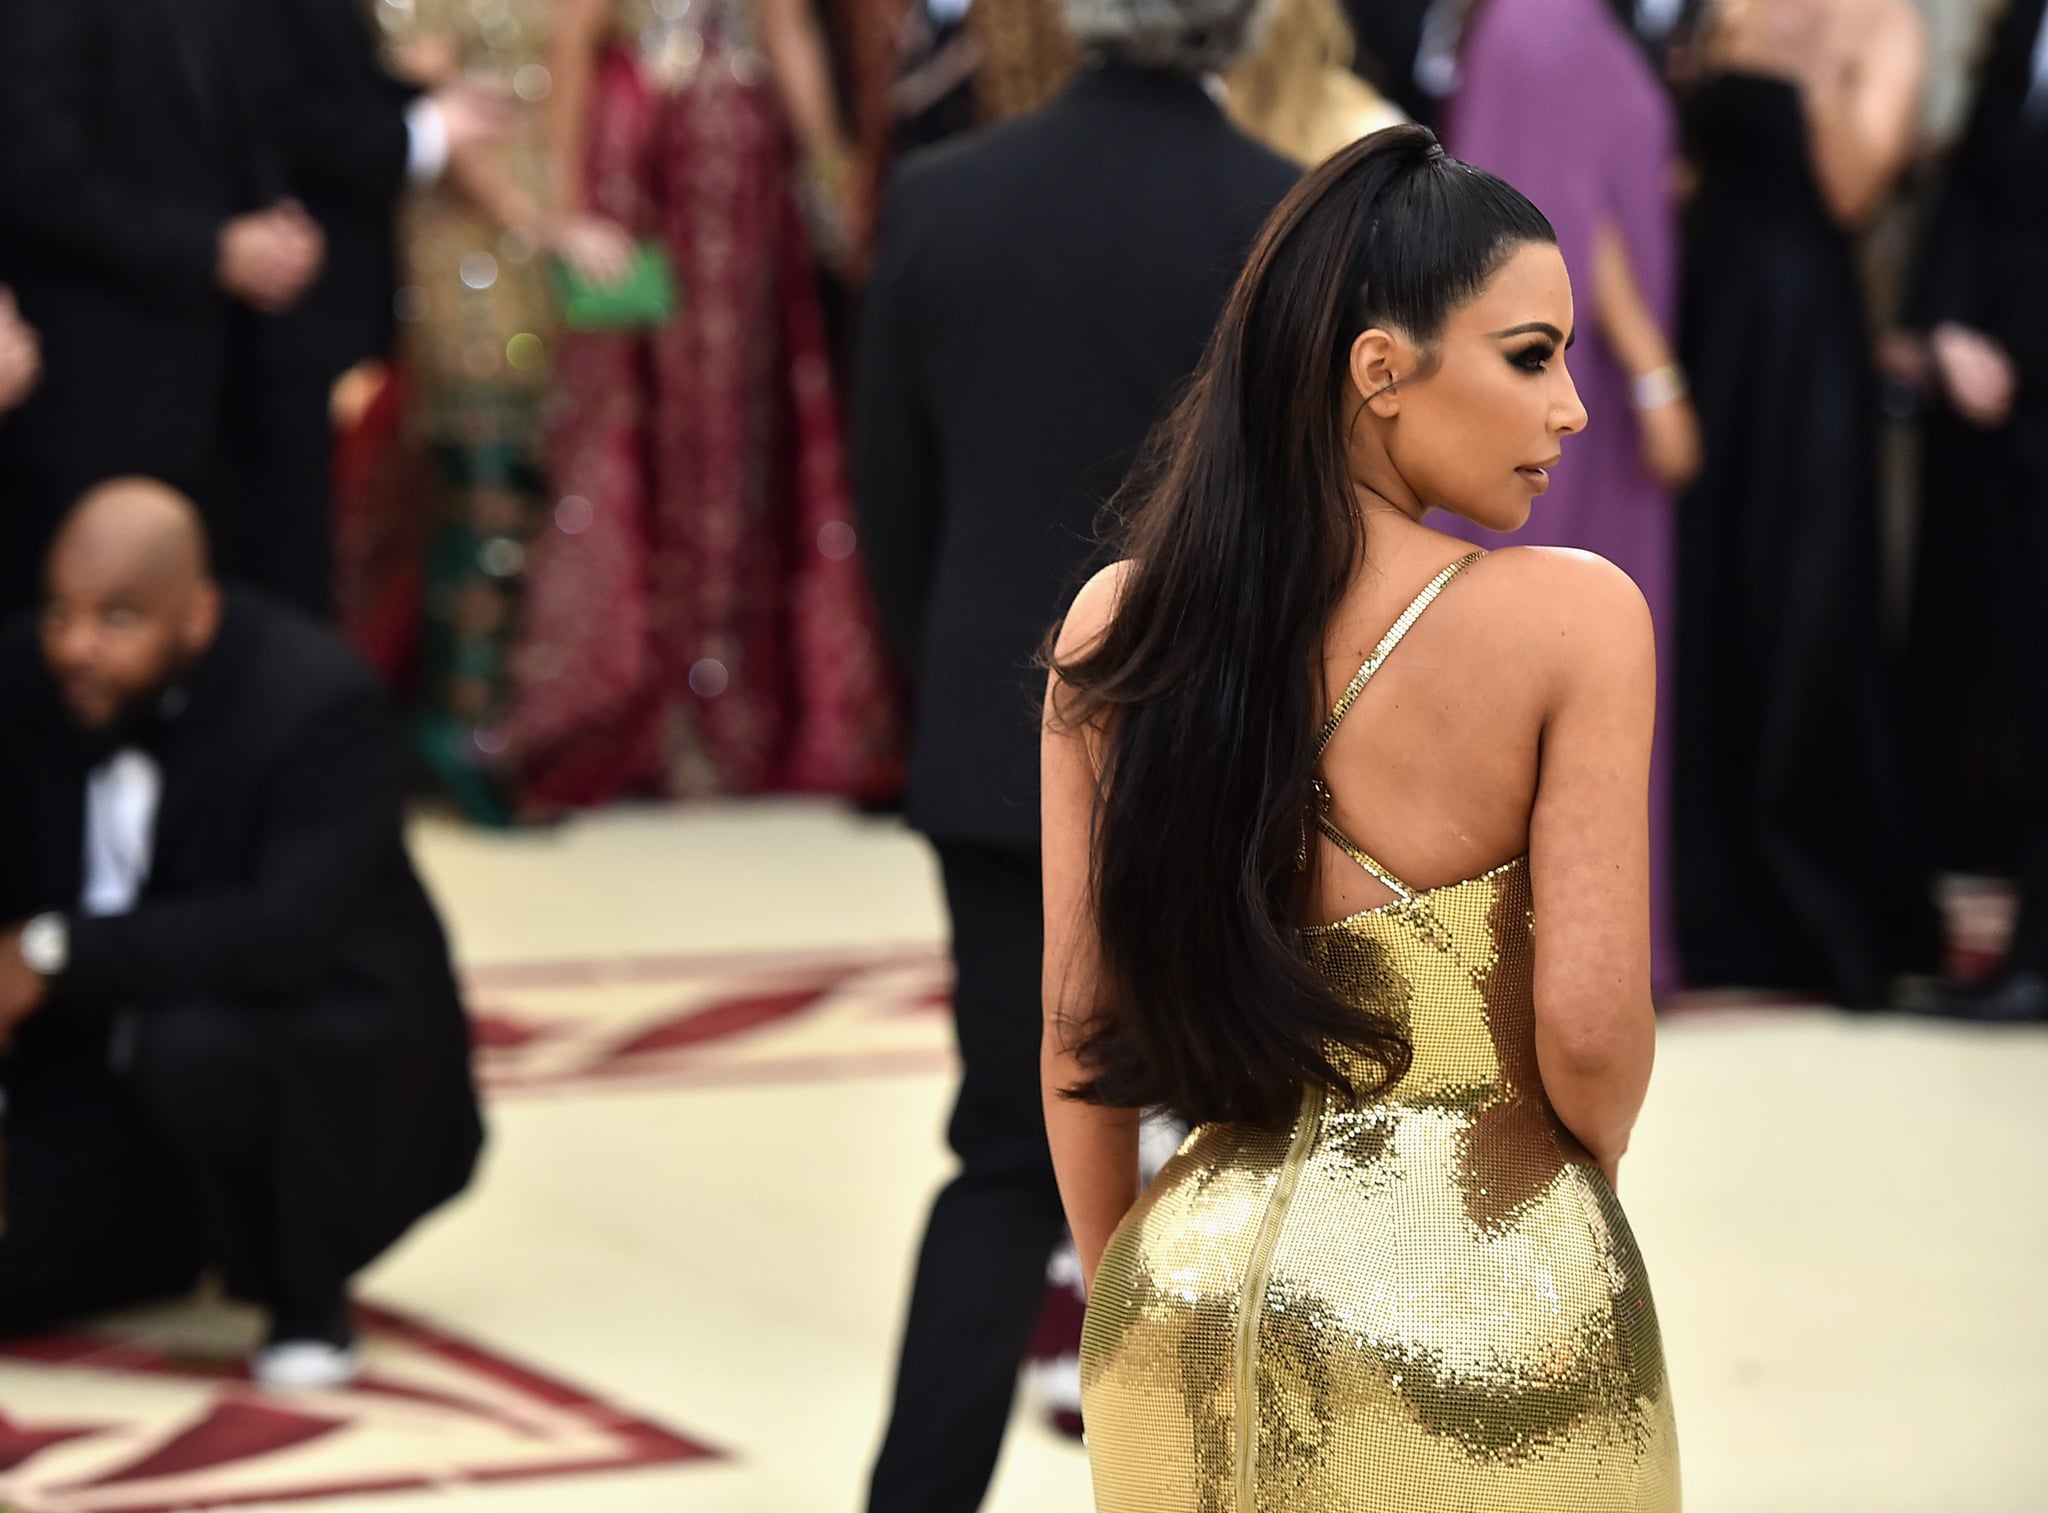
<point x="1658" y="387"/>
<point x="829" y="167"/>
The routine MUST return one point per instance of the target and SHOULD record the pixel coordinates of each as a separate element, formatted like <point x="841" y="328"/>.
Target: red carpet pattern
<point x="157" y="1414"/>
<point x="558" y="1027"/>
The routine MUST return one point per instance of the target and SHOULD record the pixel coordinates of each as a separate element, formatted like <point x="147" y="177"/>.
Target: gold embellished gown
<point x="1428" y="1300"/>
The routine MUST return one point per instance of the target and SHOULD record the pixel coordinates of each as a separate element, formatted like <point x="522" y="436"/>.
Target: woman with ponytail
<point x="1292" y="886"/>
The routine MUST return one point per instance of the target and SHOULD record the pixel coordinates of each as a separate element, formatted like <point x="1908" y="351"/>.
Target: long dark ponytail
<point x="1244" y="532"/>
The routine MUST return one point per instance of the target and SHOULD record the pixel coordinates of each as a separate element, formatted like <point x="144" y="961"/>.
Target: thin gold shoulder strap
<point x="1388" y="642"/>
<point x="1350" y="848"/>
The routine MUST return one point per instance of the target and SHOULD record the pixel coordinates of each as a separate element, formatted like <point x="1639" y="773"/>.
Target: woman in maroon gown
<point x="695" y="620"/>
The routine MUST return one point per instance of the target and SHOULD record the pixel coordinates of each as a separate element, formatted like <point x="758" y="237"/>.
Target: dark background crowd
<point x="675" y="399"/>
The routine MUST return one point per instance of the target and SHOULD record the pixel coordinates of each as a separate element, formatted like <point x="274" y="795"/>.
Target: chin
<point x="1502" y="519"/>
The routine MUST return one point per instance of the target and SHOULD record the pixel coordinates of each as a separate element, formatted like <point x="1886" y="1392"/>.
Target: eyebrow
<point x="1528" y="328"/>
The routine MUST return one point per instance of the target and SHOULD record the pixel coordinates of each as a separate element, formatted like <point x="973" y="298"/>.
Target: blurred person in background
<point x="1981" y="306"/>
<point x="1297" y="93"/>
<point x="1797" y="867"/>
<point x="1039" y="292"/>
<point x="144" y="220"/>
<point x="351" y="139"/>
<point x="699" y="622"/>
<point x="21" y="357"/>
<point x="954" y="65"/>
<point x="1391" y="37"/>
<point x="447" y="488"/>
<point x="234" y="1032"/>
<point x="1602" y="165"/>
<point x="930" y="93"/>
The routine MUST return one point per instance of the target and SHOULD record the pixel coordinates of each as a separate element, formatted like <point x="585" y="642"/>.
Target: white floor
<point x="1844" y="1219"/>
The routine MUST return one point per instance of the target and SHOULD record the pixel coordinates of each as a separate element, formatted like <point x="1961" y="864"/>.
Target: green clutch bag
<point x="645" y="297"/>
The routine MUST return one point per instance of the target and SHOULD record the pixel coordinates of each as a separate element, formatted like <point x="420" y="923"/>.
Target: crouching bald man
<point x="233" y="1036"/>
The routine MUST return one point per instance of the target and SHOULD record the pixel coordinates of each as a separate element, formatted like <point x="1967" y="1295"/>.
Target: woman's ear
<point x="1379" y="361"/>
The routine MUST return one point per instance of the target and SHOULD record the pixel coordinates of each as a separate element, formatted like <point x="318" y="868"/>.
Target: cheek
<point x="139" y="659"/>
<point x="1466" y="441"/>
<point x="1505" y="404"/>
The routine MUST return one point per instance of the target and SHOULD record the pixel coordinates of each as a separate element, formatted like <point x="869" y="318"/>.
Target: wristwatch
<point x="46" y="944"/>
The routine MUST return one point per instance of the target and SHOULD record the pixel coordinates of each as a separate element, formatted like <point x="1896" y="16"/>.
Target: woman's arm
<point x="430" y="59"/>
<point x="1862" y="110"/>
<point x="1629" y="329"/>
<point x="481" y="178"/>
<point x="1094" y="1150"/>
<point x="1589" y="844"/>
<point x="599" y="248"/>
<point x="795" y="46"/>
<point x="1671" y="442"/>
<point x="572" y="71"/>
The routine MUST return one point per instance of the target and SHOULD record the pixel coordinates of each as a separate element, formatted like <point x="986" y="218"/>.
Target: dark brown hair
<point x="1244" y="533"/>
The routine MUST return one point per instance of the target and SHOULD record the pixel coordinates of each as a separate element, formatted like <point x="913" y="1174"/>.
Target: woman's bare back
<point x="1435" y="770"/>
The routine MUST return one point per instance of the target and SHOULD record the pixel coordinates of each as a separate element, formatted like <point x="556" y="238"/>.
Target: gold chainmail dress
<point x="1428" y="1301"/>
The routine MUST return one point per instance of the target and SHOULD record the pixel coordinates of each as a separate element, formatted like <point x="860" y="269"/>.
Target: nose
<point x="1568" y="418"/>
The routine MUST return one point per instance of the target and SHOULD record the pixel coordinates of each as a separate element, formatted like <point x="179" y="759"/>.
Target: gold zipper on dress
<point x="1252" y="1306"/>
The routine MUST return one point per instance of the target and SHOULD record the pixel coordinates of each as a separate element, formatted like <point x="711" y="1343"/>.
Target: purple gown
<point x="1602" y="150"/>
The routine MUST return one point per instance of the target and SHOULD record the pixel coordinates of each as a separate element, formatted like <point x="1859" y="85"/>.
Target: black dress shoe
<point x="2015" y="998"/>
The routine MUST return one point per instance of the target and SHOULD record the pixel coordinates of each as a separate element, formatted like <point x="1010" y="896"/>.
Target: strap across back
<point x="1372" y="665"/>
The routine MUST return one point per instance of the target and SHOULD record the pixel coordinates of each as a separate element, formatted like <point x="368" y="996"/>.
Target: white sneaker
<point x="306" y="1365"/>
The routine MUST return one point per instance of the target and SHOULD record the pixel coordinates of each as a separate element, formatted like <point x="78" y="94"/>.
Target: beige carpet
<point x="719" y="1063"/>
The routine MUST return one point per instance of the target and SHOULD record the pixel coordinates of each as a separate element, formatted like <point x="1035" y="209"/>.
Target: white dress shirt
<point x="121" y="796"/>
<point x="426" y="141"/>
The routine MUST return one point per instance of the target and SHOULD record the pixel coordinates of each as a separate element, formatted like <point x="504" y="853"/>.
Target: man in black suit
<point x="234" y="1032"/>
<point x="1039" y="293"/>
<point x="350" y="138"/>
<point x="139" y="211"/>
<point x="1982" y="302"/>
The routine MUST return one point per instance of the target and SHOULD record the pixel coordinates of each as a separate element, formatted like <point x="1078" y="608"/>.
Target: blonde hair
<point x="1026" y="55"/>
<point x="1296" y="93"/>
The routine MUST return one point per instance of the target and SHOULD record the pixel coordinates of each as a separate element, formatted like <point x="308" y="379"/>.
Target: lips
<point x="1538" y="476"/>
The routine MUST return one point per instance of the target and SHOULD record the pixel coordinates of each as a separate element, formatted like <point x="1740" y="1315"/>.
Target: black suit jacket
<point x="279" y="871"/>
<point x="126" y="141"/>
<point x="338" y="122"/>
<point x="1389" y="35"/>
<point x="1041" y="292"/>
<point x="1985" y="260"/>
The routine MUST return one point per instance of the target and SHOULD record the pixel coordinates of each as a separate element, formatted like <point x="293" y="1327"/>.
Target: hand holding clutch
<point x="607" y="281"/>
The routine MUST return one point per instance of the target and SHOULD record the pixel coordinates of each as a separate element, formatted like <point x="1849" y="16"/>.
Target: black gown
<point x="1796" y="869"/>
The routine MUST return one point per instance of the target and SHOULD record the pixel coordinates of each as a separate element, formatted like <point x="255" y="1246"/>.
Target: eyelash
<point x="1542" y="354"/>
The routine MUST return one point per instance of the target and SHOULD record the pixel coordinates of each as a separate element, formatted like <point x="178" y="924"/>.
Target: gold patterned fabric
<point x="1026" y="55"/>
<point x="1426" y="1301"/>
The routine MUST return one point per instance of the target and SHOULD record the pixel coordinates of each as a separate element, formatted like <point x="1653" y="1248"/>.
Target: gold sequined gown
<point x="1427" y="1301"/>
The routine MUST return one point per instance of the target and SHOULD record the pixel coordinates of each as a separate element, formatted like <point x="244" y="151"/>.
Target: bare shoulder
<point x="1575" y="609"/>
<point x="1093" y="610"/>
<point x="1567" y="583"/>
